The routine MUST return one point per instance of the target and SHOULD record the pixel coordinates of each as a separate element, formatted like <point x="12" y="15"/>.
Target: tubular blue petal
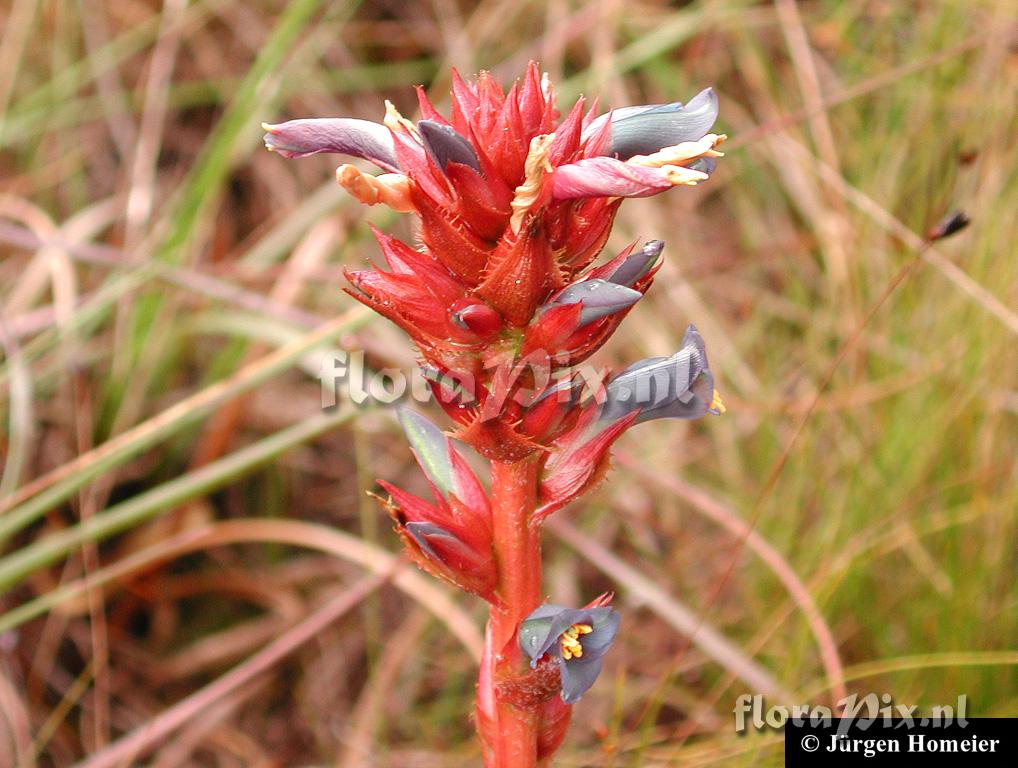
<point x="570" y="384"/>
<point x="343" y="135"/>
<point x="445" y="145"/>
<point x="421" y="532"/>
<point x="617" y="114"/>
<point x="637" y="264"/>
<point x="541" y="633"/>
<point x="600" y="298"/>
<point x="664" y="125"/>
<point x="680" y="386"/>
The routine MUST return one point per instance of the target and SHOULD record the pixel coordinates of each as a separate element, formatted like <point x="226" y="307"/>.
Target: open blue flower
<point x="577" y="637"/>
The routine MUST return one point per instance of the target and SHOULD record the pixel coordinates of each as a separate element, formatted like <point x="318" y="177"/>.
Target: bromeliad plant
<point x="501" y="300"/>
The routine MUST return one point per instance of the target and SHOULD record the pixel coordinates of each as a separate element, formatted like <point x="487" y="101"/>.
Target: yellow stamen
<point x="396" y="122"/>
<point x="716" y="404"/>
<point x="535" y="167"/>
<point x="681" y="154"/>
<point x="680" y="176"/>
<point x="391" y="189"/>
<point x="570" y="643"/>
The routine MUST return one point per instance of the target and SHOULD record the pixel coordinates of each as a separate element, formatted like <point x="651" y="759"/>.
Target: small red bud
<point x="476" y="317"/>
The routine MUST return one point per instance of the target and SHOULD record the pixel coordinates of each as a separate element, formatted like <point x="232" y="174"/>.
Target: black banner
<point x="921" y="741"/>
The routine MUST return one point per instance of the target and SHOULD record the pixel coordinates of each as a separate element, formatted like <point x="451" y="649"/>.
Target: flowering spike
<point x="514" y="208"/>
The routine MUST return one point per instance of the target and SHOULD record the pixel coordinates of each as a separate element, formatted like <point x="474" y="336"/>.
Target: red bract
<point x="514" y="208"/>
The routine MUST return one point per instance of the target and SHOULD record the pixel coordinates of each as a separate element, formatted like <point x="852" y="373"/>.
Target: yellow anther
<point x="717" y="404"/>
<point x="396" y="122"/>
<point x="535" y="167"/>
<point x="569" y="642"/>
<point x="682" y="153"/>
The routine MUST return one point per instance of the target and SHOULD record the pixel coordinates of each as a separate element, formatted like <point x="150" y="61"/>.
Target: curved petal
<point x="629" y="269"/>
<point x="445" y="145"/>
<point x="540" y="631"/>
<point x="577" y="677"/>
<point x="343" y="135"/>
<point x="680" y="386"/>
<point x="600" y="298"/>
<point x="645" y="132"/>
<point x="608" y="177"/>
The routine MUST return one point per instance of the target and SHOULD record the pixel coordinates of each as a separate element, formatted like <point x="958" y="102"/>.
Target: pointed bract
<point x="430" y="446"/>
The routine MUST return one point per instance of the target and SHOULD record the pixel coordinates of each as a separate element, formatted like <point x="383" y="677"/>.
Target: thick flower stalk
<point x="502" y="298"/>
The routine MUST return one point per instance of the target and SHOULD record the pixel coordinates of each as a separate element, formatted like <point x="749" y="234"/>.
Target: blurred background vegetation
<point x="192" y="573"/>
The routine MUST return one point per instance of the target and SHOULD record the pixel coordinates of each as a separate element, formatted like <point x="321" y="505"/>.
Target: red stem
<point x="509" y="732"/>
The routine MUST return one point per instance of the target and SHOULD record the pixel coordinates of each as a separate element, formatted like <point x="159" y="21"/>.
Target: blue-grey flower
<point x="429" y="535"/>
<point x="445" y="145"/>
<point x="637" y="264"/>
<point x="676" y="387"/>
<point x="576" y="637"/>
<point x="646" y="129"/>
<point x="342" y="135"/>
<point x="600" y="298"/>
